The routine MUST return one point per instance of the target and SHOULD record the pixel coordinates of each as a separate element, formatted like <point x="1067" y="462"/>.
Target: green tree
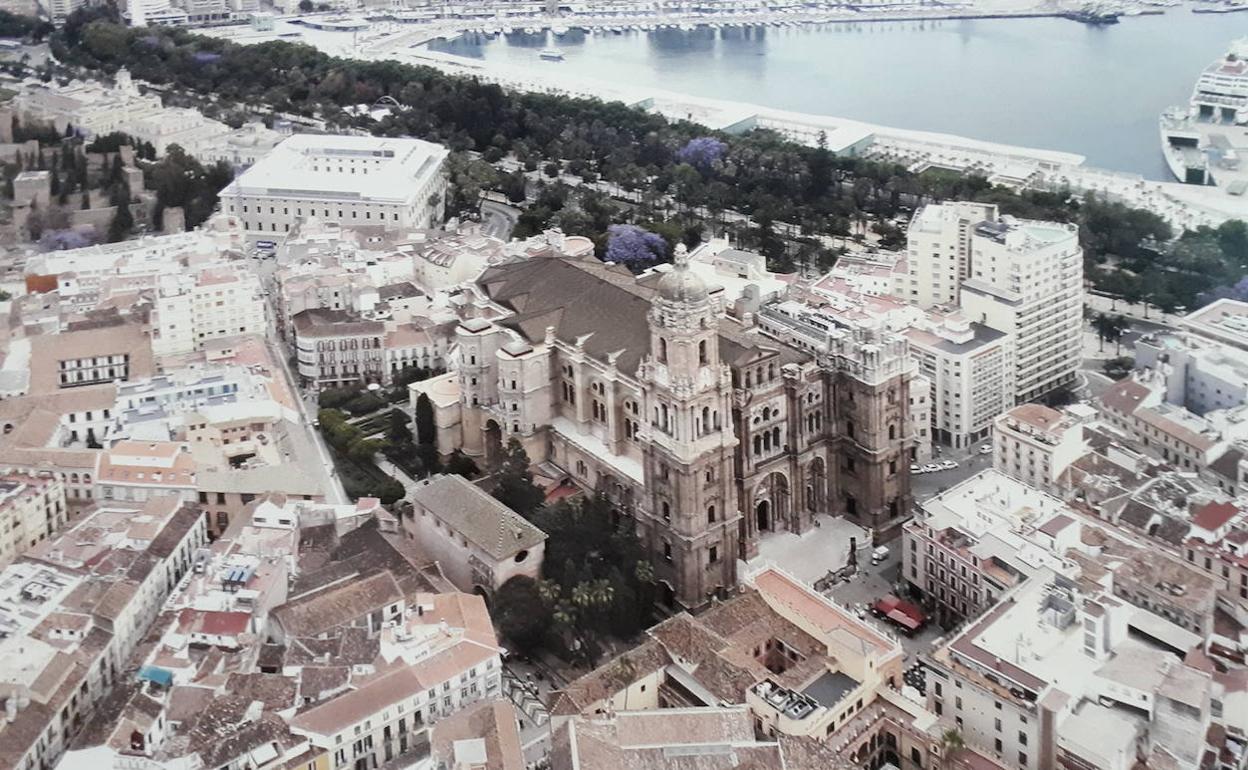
<point x="514" y="487"/>
<point x="521" y="615"/>
<point x="1118" y="368"/>
<point x="426" y="428"/>
<point x="461" y="465"/>
<point x="122" y="223"/>
<point x="951" y="747"/>
<point x="1109" y="329"/>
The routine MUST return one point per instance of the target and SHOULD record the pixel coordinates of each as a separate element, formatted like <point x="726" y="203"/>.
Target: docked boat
<point x="1093" y="16"/>
<point x="559" y="30"/>
<point x="551" y="54"/>
<point x="1204" y="141"/>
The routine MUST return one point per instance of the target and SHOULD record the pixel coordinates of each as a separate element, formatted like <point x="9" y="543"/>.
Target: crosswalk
<point x="523" y="694"/>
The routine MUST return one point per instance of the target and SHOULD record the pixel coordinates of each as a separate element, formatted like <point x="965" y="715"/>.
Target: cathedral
<point x="705" y="433"/>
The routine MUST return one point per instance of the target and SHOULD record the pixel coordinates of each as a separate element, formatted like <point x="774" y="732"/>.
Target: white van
<point x="879" y="554"/>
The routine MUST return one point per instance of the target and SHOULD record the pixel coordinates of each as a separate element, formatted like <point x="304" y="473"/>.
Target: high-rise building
<point x="938" y="246"/>
<point x="1021" y="277"/>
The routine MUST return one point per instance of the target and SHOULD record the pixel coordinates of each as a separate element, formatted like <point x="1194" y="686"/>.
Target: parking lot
<point x="925" y="485"/>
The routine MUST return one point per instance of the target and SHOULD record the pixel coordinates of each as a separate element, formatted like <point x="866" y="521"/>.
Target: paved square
<point x="812" y="555"/>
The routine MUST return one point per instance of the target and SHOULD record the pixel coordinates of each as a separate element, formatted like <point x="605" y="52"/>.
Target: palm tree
<point x="1102" y="324"/>
<point x="951" y="745"/>
<point x="1110" y="328"/>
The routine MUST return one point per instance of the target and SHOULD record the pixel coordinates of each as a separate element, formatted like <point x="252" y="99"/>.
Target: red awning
<point x="903" y="620"/>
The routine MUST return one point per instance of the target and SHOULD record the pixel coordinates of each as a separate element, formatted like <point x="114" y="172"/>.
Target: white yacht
<point x="551" y="54"/>
<point x="1204" y="142"/>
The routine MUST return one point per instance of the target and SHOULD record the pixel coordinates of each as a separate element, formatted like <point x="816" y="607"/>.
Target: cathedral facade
<point x="706" y="434"/>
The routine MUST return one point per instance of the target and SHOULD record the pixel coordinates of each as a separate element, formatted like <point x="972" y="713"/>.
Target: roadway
<point x="305" y="401"/>
<point x="498" y="220"/>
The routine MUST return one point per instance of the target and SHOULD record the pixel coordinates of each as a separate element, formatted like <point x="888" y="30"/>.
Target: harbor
<point x="667" y="67"/>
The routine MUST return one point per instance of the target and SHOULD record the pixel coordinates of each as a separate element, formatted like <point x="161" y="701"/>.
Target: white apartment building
<point x="1061" y="673"/>
<point x="444" y="657"/>
<point x="322" y="288"/>
<point x="971" y="368"/>
<point x="336" y="348"/>
<point x="980" y="539"/>
<point x="73" y="610"/>
<point x="1224" y="320"/>
<point x="921" y="418"/>
<point x="1036" y="444"/>
<point x="349" y="180"/>
<point x="193" y="308"/>
<point x="86" y="276"/>
<point x="1026" y="279"/>
<point x="938" y="248"/>
<point x="1198" y="374"/>
<point x="32" y="508"/>
<point x="140" y="471"/>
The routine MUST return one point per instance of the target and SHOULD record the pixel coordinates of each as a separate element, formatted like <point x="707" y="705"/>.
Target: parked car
<point x="879" y="554"/>
<point x="948" y="465"/>
<point x="915" y="468"/>
<point x="930" y="468"/>
<point x="985" y="449"/>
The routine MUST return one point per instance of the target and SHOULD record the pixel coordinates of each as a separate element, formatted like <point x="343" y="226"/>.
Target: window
<point x="713" y="554"/>
<point x="667" y="551"/>
<point x="710" y="514"/>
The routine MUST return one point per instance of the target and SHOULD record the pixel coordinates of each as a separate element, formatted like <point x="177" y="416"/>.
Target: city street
<point x="498" y="220"/>
<point x="925" y="485"/>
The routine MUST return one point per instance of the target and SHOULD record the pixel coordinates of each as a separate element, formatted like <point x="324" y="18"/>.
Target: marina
<point x="843" y="83"/>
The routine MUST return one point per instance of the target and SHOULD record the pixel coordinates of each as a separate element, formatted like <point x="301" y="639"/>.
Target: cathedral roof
<point x="577" y="298"/>
<point x="606" y="306"/>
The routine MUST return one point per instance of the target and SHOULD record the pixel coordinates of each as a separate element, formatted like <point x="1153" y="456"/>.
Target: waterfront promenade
<point x="1184" y="206"/>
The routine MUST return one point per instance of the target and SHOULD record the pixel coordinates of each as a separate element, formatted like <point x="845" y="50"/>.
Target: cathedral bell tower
<point x="691" y="519"/>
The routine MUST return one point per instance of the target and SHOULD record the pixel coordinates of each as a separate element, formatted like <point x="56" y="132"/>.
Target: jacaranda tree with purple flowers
<point x="702" y="152"/>
<point x="631" y="245"/>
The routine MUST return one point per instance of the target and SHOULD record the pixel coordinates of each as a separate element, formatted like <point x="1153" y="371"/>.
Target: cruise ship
<point x="1206" y="142"/>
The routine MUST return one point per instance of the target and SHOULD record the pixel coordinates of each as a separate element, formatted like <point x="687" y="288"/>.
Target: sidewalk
<point x="1120" y="307"/>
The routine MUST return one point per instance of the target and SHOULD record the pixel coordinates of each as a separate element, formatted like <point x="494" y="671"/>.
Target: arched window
<point x="766" y="413"/>
<point x="662" y="350"/>
<point x="771" y="372"/>
<point x="667" y="511"/>
<point x="892" y="432"/>
<point x="758" y="444"/>
<point x="710" y="514"/>
<point x="702" y="352"/>
<point x="775" y="437"/>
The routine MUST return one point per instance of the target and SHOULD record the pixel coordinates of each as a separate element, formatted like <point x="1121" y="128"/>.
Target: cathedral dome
<point x="680" y="284"/>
